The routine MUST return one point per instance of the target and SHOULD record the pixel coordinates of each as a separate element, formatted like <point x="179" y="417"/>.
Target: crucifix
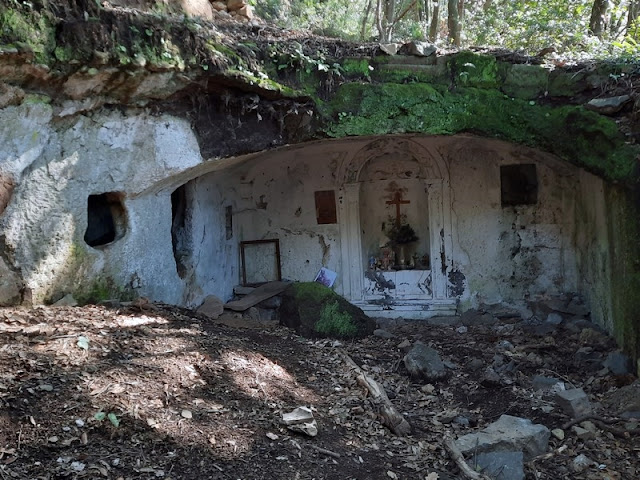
<point x="397" y="201"/>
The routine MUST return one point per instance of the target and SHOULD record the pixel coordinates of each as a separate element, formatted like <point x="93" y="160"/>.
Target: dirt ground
<point x="157" y="392"/>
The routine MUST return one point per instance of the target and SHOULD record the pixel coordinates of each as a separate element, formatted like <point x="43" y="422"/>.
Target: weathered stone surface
<point x="421" y="49"/>
<point x="475" y="317"/>
<point x="423" y="362"/>
<point x="314" y="310"/>
<point x="525" y="81"/>
<point x="301" y="420"/>
<point x="66" y="301"/>
<point x="6" y="190"/>
<point x="490" y="378"/>
<point x="507" y="433"/>
<point x="389" y="48"/>
<point x="554" y="319"/>
<point x="581" y="463"/>
<point x="10" y="95"/>
<point x="233" y="5"/>
<point x="382" y="333"/>
<point x="582" y="433"/>
<point x="609" y="105"/>
<point x="547" y="384"/>
<point x="9" y="285"/>
<point x="618" y="363"/>
<point x="219" y="6"/>
<point x="198" y="8"/>
<point x="625" y="401"/>
<point x="212" y="307"/>
<point x="501" y="465"/>
<point x="246" y="11"/>
<point x="574" y="402"/>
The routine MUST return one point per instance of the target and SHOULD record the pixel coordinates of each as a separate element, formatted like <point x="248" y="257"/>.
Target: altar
<point x="395" y="224"/>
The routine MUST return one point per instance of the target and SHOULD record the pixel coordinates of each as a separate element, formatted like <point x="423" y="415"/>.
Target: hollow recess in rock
<point x="106" y="219"/>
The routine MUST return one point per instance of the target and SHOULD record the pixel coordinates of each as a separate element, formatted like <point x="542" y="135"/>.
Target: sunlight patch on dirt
<point x="258" y="376"/>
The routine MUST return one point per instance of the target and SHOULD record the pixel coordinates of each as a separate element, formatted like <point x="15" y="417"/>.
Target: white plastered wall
<point x="506" y="254"/>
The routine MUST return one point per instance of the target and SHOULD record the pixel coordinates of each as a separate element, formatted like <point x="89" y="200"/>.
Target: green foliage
<point x="102" y="288"/>
<point x="401" y="234"/>
<point x="313" y="292"/>
<point x="474" y="70"/>
<point x="528" y="25"/>
<point x="334" y="322"/>
<point x="112" y="417"/>
<point x="20" y="24"/>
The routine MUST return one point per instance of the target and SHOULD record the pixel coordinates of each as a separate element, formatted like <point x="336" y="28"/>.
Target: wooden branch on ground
<point x="462" y="464"/>
<point x="390" y="416"/>
<point x="324" y="451"/>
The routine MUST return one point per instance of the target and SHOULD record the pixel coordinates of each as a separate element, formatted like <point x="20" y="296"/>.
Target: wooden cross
<point x="397" y="201"/>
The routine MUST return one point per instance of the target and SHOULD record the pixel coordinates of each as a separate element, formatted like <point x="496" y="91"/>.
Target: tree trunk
<point x="487" y="5"/>
<point x="453" y="21"/>
<point x="387" y="19"/>
<point x="365" y="20"/>
<point x="597" y="22"/>
<point x="424" y="11"/>
<point x="435" y="19"/>
<point x="634" y="13"/>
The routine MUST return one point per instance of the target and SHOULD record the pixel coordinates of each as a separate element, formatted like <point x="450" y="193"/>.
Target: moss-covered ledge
<point x="573" y="133"/>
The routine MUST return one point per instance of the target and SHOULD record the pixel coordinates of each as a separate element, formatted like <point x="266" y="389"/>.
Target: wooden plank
<point x="261" y="293"/>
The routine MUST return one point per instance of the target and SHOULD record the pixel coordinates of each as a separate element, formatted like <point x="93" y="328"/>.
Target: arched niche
<point x="384" y="170"/>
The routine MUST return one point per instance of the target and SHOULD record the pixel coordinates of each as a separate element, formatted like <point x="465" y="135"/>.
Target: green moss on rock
<point x="575" y="134"/>
<point x="23" y="26"/>
<point x="525" y="81"/>
<point x="474" y="70"/>
<point x="624" y="212"/>
<point x="314" y="310"/>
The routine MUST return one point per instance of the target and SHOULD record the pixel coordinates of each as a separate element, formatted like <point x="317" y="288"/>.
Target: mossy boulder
<point x="314" y="311"/>
<point x="526" y="81"/>
<point x="470" y="69"/>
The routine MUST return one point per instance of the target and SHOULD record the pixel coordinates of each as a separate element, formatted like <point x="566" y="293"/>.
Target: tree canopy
<point x="570" y="27"/>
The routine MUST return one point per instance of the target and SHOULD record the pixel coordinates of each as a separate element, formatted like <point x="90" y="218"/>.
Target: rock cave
<point x="177" y="160"/>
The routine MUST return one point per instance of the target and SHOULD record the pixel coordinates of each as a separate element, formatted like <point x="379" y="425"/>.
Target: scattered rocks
<point x="618" y="363"/>
<point x="389" y="48"/>
<point x="581" y="463"/>
<point x="625" y="401"/>
<point x="574" y="402"/>
<point x="382" y="333"/>
<point x="609" y="105"/>
<point x="66" y="301"/>
<point x="423" y="362"/>
<point x="421" y="49"/>
<point x="582" y="433"/>
<point x="212" y="307"/>
<point x="9" y="286"/>
<point x="6" y="182"/>
<point x="501" y="465"/>
<point x="547" y="384"/>
<point x="507" y="433"/>
<point x="475" y="317"/>
<point x="558" y="433"/>
<point x="554" y="318"/>
<point x="490" y="378"/>
<point x="301" y="420"/>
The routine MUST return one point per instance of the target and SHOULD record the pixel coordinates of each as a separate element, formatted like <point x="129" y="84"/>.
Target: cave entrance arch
<point x="369" y="181"/>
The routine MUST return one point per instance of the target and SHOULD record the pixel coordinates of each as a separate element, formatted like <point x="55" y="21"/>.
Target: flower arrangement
<point x="401" y="234"/>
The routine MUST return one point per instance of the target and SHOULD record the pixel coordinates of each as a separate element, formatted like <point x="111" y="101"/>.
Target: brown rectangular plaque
<point x="326" y="207"/>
